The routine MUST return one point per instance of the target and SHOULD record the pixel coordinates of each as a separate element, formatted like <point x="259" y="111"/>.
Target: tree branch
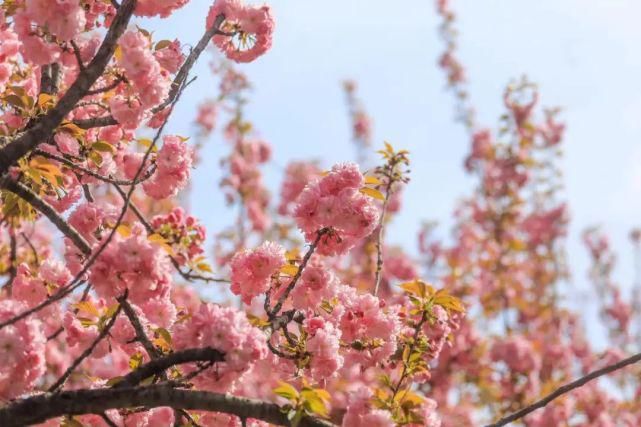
<point x="159" y="365"/>
<point x="102" y="335"/>
<point x="565" y="389"/>
<point x="47" y="210"/>
<point x="43" y="128"/>
<point x="37" y="409"/>
<point x="176" y="84"/>
<point x="274" y="311"/>
<point x="141" y="336"/>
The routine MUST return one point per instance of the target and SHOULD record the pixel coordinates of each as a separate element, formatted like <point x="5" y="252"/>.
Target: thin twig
<point x="96" y="175"/>
<point x="565" y="389"/>
<point x="272" y="313"/>
<point x="176" y="85"/>
<point x="379" y="238"/>
<point x="105" y="331"/>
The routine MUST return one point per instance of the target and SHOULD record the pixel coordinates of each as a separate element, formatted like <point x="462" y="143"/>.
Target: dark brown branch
<point x="47" y="210"/>
<point x="319" y="234"/>
<point x="141" y="336"/>
<point x="37" y="409"/>
<point x="176" y="84"/>
<point x="107" y="88"/>
<point x="44" y="127"/>
<point x="565" y="389"/>
<point x="159" y="365"/>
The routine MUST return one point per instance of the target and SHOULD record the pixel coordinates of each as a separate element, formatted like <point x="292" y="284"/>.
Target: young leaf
<point x="287" y="391"/>
<point x="372" y="193"/>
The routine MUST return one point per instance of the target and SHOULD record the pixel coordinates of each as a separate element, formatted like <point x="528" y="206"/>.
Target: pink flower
<point x="89" y="219"/>
<point x="63" y="18"/>
<point x="251" y="271"/>
<point x="361" y="413"/>
<point x="34" y="289"/>
<point x="170" y="57"/>
<point x="227" y="330"/>
<point x="128" y="112"/>
<point x="335" y="202"/>
<point x="254" y="26"/>
<point x="317" y="283"/>
<point x="365" y="318"/>
<point x="173" y="162"/>
<point x="183" y="232"/>
<point x="22" y="359"/>
<point x="297" y="176"/>
<point x="162" y="8"/>
<point x="133" y="263"/>
<point x="207" y="113"/>
<point x="142" y="69"/>
<point x="324" y="346"/>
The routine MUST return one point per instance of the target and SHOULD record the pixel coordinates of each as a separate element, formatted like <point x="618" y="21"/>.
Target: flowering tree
<point x="330" y="324"/>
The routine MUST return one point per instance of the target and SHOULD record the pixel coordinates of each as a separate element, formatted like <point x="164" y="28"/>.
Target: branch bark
<point x="43" y="128"/>
<point x="159" y="365"/>
<point x="37" y="409"/>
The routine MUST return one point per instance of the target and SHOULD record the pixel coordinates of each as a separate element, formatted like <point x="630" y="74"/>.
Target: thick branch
<point x="47" y="210"/>
<point x="159" y="365"/>
<point x="565" y="389"/>
<point x="37" y="409"/>
<point x="43" y="128"/>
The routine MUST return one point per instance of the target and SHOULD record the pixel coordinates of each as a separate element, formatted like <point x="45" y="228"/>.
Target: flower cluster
<point x="149" y="79"/>
<point x="229" y="331"/>
<point x="249" y="29"/>
<point x="182" y="232"/>
<point x="252" y="270"/>
<point x="162" y="8"/>
<point x="173" y="168"/>
<point x="297" y="176"/>
<point x="134" y="263"/>
<point x="335" y="202"/>
<point x="63" y="19"/>
<point x="22" y="360"/>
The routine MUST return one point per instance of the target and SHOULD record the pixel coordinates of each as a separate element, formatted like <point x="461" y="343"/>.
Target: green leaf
<point x="135" y="361"/>
<point x="103" y="146"/>
<point x="287" y="391"/>
<point x="113" y="381"/>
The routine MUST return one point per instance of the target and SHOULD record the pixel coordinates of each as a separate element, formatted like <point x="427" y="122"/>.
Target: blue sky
<point x="584" y="55"/>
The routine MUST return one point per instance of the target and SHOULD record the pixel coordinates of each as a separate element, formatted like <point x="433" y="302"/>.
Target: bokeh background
<point x="583" y="54"/>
